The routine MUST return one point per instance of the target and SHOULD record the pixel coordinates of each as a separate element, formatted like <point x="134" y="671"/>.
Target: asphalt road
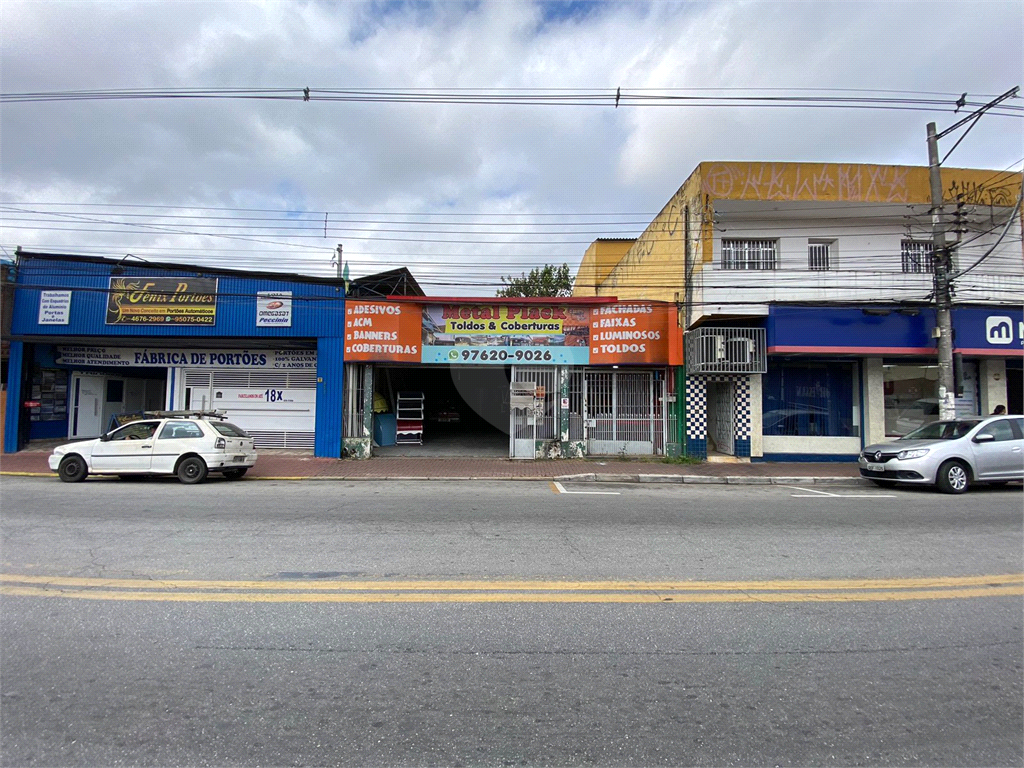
<point x="508" y="624"/>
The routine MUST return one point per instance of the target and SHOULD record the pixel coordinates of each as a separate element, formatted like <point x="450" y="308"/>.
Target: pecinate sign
<point x="162" y="301"/>
<point x="274" y="309"/>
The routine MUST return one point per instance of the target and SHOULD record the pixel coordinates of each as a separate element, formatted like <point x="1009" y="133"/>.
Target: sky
<point x="460" y="193"/>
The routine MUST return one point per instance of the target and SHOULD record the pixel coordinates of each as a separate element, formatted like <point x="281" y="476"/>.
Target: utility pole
<point x="942" y="264"/>
<point x="943" y="297"/>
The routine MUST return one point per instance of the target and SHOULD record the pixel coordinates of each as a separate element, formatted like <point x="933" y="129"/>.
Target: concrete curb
<point x="584" y="478"/>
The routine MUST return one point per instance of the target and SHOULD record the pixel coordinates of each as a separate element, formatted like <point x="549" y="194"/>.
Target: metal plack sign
<point x="162" y="300"/>
<point x="503" y="334"/>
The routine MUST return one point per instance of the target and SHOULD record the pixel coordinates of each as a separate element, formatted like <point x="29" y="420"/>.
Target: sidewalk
<point x="294" y="465"/>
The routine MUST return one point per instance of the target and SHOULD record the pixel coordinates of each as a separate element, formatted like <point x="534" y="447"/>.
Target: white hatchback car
<point x="187" y="444"/>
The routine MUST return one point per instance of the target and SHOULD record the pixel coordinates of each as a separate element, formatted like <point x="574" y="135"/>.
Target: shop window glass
<point x="911" y="397"/>
<point x="809" y="400"/>
<point x="115" y="391"/>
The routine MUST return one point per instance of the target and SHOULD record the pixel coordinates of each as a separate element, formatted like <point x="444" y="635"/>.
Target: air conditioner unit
<point x="718" y="345"/>
<point x="741" y="349"/>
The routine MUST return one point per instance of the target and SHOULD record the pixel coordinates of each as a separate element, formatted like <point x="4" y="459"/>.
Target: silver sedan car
<point x="952" y="455"/>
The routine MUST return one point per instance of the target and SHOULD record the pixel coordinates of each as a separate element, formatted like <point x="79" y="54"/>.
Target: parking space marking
<point x="559" y="488"/>
<point x="811" y="491"/>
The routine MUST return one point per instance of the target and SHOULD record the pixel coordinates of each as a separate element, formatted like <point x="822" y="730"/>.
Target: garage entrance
<point x="465" y="410"/>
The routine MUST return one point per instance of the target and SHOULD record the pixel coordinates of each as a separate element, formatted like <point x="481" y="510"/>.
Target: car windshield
<point x="943" y="430"/>
<point x="228" y="430"/>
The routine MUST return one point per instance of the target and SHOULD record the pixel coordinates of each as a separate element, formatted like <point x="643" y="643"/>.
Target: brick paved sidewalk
<point x="290" y="464"/>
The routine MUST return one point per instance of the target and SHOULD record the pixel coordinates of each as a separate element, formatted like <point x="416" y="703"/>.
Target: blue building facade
<point x="839" y="378"/>
<point x="94" y="337"/>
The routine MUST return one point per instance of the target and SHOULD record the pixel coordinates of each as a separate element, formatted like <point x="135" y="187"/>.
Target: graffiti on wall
<point x="807" y="181"/>
<point x="997" y="192"/>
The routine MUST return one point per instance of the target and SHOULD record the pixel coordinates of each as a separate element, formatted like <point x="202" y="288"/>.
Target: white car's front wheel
<point x="72" y="469"/>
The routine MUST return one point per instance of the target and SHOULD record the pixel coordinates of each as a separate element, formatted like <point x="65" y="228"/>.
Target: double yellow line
<point x="518" y="591"/>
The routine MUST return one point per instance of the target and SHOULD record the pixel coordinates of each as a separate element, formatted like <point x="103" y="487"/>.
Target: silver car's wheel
<point x="953" y="477"/>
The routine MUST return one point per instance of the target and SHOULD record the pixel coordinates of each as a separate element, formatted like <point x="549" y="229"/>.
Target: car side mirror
<point x="984" y="437"/>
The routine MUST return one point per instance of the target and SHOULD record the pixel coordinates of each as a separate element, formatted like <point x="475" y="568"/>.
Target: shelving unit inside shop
<point x="409" y="417"/>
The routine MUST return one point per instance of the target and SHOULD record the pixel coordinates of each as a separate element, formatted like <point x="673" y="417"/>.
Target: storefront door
<point x="721" y="410"/>
<point x="622" y="414"/>
<point x="87" y="396"/>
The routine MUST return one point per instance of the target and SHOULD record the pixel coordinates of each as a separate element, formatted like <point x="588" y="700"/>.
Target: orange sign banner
<point x="382" y="331"/>
<point x="632" y="334"/>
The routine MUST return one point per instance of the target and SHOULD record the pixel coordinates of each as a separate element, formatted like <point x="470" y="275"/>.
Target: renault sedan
<point x="951" y="455"/>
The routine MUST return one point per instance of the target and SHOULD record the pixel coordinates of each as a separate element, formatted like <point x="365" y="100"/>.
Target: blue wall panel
<point x="14" y="398"/>
<point x="317" y="309"/>
<point x="329" y="396"/>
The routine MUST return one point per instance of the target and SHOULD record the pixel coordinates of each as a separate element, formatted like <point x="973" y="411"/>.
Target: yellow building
<point x="680" y="240"/>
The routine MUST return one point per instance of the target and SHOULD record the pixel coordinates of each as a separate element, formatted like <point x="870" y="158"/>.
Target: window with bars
<point x="819" y="254"/>
<point x="917" y="256"/>
<point x="749" y="254"/>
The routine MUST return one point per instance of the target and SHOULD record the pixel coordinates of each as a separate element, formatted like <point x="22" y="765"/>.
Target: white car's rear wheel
<point x="192" y="470"/>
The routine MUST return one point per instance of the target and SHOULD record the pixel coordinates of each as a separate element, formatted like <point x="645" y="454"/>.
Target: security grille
<point x="547" y="417"/>
<point x="353" y="421"/>
<point x="917" y="256"/>
<point x="726" y="350"/>
<point x="577" y="398"/>
<point x="624" y="411"/>
<point x="749" y="254"/>
<point x="818" y="254"/>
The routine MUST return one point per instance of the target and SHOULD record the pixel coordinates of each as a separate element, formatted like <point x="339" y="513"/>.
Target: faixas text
<point x="200" y="358"/>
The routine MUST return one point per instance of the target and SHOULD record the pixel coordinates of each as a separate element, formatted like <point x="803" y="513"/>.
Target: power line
<point x="614" y="98"/>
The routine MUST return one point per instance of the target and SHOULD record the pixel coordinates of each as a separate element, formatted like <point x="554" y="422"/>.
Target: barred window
<point x="819" y="254"/>
<point x="917" y="256"/>
<point x="749" y="254"/>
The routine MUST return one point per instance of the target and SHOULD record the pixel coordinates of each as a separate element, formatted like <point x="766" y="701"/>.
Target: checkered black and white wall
<point x="697" y="414"/>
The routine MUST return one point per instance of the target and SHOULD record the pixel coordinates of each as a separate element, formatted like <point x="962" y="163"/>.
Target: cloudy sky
<point x="459" y="192"/>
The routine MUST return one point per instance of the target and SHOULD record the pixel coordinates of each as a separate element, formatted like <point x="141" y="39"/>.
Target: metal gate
<point x="721" y="410"/>
<point x="624" y="412"/>
<point x="277" y="408"/>
<point x="527" y="425"/>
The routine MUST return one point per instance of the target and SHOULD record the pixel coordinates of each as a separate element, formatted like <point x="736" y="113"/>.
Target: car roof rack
<point x="185" y="414"/>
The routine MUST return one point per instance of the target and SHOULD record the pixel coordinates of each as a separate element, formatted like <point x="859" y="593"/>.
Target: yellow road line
<point x="938" y="582"/>
<point x="519" y="597"/>
<point x="514" y="591"/>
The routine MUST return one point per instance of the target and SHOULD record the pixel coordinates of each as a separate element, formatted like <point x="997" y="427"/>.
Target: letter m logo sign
<point x="999" y="329"/>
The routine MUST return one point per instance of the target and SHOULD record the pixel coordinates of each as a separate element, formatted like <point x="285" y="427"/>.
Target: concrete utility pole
<point x="943" y="298"/>
<point x="942" y="263"/>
